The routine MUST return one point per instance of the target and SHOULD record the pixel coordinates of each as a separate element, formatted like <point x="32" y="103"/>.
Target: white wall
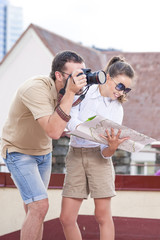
<point x="137" y="204"/>
<point x="29" y="57"/>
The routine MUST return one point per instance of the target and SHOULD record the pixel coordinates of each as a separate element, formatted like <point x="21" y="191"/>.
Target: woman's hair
<point x="118" y="66"/>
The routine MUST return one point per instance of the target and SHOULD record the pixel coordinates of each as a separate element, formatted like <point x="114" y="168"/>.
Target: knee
<point x="103" y="217"/>
<point x="39" y="208"/>
<point x="43" y="207"/>
<point x="100" y="219"/>
<point x="67" y="220"/>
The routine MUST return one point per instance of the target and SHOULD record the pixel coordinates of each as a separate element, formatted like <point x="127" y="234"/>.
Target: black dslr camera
<point x="98" y="77"/>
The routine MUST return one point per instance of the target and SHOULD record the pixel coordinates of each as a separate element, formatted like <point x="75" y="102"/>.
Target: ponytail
<point x="118" y="66"/>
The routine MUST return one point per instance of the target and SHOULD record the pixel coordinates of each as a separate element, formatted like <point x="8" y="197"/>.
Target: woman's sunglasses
<point x="121" y="87"/>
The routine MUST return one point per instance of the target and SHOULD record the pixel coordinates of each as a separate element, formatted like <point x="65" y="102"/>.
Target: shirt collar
<point x="95" y="93"/>
<point x="53" y="88"/>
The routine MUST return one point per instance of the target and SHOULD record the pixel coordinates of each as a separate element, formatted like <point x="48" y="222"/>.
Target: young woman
<point x="89" y="168"/>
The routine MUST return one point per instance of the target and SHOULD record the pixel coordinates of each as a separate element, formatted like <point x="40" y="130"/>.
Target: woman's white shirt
<point x="93" y="104"/>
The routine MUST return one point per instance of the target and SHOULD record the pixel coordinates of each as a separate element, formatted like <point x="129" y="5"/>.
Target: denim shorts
<point x="31" y="174"/>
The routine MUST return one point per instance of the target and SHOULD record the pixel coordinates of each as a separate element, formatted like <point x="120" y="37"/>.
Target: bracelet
<point x="62" y="114"/>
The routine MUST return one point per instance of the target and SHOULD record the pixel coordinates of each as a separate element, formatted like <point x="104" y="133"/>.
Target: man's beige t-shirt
<point x="22" y="133"/>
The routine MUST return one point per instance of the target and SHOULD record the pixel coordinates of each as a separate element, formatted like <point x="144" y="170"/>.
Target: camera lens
<point x="101" y="77"/>
<point x="98" y="77"/>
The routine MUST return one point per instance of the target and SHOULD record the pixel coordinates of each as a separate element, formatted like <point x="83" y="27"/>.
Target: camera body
<point x="98" y="77"/>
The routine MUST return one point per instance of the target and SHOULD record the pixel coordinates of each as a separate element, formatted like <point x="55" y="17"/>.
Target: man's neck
<point x="58" y="85"/>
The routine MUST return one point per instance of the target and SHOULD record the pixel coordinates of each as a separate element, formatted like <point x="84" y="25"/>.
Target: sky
<point x="126" y="25"/>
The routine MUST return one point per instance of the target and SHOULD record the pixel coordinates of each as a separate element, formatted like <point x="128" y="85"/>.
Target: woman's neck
<point x="103" y="90"/>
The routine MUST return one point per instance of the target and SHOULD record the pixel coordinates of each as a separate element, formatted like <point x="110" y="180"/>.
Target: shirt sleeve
<point x="37" y="99"/>
<point x="117" y="117"/>
<point x="102" y="146"/>
<point x="117" y="113"/>
<point x="74" y="121"/>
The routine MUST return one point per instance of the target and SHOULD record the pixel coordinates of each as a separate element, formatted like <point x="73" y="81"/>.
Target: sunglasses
<point x="121" y="87"/>
<point x="65" y="73"/>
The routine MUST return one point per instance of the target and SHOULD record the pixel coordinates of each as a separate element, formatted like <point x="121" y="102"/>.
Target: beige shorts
<point x="87" y="172"/>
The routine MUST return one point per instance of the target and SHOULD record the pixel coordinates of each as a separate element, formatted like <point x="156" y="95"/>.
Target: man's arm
<point x="54" y="125"/>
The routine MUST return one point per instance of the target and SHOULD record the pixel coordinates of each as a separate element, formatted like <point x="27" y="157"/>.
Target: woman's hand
<point x="113" y="142"/>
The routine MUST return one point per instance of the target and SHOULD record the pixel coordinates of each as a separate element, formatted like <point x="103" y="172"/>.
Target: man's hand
<point x="113" y="142"/>
<point x="76" y="83"/>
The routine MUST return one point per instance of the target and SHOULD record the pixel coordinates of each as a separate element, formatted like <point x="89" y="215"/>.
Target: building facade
<point x="11" y="26"/>
<point x="140" y="111"/>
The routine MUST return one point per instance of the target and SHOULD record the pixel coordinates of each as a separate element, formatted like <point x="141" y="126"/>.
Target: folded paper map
<point x="96" y="126"/>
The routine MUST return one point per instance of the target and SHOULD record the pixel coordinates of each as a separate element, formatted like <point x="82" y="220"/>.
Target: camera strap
<point x="78" y="101"/>
<point x="82" y="96"/>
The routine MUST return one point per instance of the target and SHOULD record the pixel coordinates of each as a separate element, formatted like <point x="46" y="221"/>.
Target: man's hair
<point x="61" y="59"/>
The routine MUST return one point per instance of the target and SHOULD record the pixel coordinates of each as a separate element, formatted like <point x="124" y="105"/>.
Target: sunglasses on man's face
<point x="121" y="87"/>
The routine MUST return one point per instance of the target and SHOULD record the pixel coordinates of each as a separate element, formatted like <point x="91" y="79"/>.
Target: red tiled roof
<point x="142" y="110"/>
<point x="56" y="43"/>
